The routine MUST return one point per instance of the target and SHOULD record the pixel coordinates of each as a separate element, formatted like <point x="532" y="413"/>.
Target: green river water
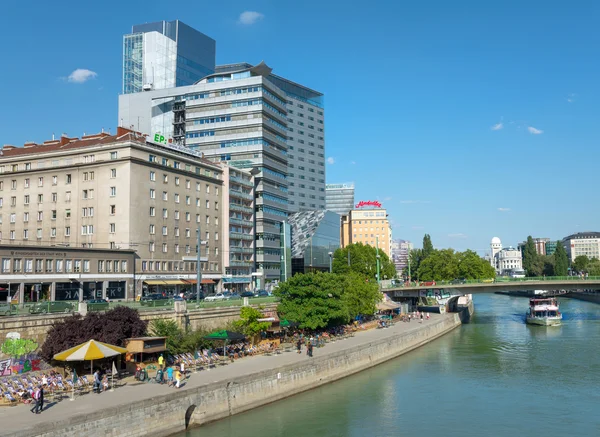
<point x="493" y="377"/>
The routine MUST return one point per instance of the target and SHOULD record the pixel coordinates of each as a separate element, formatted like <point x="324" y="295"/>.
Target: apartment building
<point x="582" y="243"/>
<point x="116" y="192"/>
<point x="367" y="226"/>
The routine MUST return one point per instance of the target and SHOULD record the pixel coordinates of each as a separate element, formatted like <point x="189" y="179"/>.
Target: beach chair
<point x="8" y="399"/>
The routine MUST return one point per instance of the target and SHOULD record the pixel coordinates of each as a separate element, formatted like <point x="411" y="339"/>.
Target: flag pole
<point x="112" y="377"/>
<point x="72" y="398"/>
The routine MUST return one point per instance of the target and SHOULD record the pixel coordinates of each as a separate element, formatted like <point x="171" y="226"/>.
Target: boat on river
<point x="543" y="311"/>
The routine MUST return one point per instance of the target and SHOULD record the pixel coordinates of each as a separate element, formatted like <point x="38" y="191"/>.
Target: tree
<point x="427" y="246"/>
<point x="18" y="347"/>
<point x="593" y="267"/>
<point x="472" y="266"/>
<point x="249" y="324"/>
<point x="415" y="257"/>
<point x="440" y="265"/>
<point x="580" y="263"/>
<point x="360" y="296"/>
<point x="530" y="258"/>
<point x="113" y="327"/>
<point x="561" y="261"/>
<point x="548" y="265"/>
<point x="170" y="329"/>
<point x="363" y="260"/>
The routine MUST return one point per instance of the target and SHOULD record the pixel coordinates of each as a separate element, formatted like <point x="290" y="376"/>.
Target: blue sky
<point x="467" y="119"/>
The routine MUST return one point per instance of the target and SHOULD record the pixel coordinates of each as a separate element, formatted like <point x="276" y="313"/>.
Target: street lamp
<point x="330" y="262"/>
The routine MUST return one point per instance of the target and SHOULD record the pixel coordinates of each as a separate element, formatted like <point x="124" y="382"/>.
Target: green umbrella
<point x="225" y="336"/>
<point x="285" y="323"/>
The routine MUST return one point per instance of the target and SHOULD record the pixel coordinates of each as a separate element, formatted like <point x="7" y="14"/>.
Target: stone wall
<point x="167" y="414"/>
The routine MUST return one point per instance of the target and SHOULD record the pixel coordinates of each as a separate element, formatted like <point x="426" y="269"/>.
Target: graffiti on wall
<point x="29" y="363"/>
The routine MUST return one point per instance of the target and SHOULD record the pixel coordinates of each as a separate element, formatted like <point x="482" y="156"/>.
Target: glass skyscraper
<point x="339" y="197"/>
<point x="164" y="55"/>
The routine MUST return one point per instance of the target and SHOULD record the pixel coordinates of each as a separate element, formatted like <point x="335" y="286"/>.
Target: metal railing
<point x="401" y="284"/>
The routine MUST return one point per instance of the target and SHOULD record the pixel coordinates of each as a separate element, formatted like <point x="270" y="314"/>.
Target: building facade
<point x="315" y="237"/>
<point x="506" y="261"/>
<point x="339" y="198"/>
<point x="540" y="245"/>
<point x="116" y="192"/>
<point x="582" y="243"/>
<point x="367" y="226"/>
<point x="400" y="253"/>
<point x="31" y="274"/>
<point x="165" y="54"/>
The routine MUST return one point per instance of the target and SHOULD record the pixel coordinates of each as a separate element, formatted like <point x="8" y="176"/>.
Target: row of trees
<point x="535" y="264"/>
<point x="319" y="300"/>
<point x="583" y="264"/>
<point x="362" y="259"/>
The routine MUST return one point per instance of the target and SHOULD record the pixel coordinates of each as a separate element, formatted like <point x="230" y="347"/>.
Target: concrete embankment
<point x="218" y="393"/>
<point x="594" y="298"/>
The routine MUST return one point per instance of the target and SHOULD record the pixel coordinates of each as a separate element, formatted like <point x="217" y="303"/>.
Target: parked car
<point x="7" y="309"/>
<point x="51" y="307"/>
<point x="234" y="296"/>
<point x="247" y="294"/>
<point x="155" y="300"/>
<point x="97" y="304"/>
<point x="261" y="293"/>
<point x="427" y="283"/>
<point x="458" y="281"/>
<point x="217" y="297"/>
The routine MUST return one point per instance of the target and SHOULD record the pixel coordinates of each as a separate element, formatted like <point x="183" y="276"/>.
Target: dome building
<point x="507" y="260"/>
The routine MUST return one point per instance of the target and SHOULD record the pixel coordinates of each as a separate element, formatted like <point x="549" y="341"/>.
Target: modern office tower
<point x="367" y="226"/>
<point x="339" y="198"/>
<point x="238" y="117"/>
<point x="113" y="192"/>
<point x="165" y="54"/>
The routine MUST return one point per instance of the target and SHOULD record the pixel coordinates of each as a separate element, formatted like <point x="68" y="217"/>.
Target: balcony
<point x="240" y="194"/>
<point x="238" y="249"/>
<point x="240" y="208"/>
<point x="241" y="222"/>
<point x="240" y="236"/>
<point x="239" y="263"/>
<point x="241" y="181"/>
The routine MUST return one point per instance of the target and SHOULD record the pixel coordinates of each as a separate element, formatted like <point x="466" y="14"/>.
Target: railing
<point x="241" y="236"/>
<point x="240" y="194"/>
<point x="240" y="208"/>
<point x="242" y="181"/>
<point x="239" y="263"/>
<point x="241" y="222"/>
<point x="237" y="249"/>
<point x="458" y="282"/>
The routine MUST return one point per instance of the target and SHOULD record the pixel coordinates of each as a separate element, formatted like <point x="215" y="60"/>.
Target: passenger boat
<point x="543" y="311"/>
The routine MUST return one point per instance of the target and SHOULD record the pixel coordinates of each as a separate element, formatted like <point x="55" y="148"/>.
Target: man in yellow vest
<point x="161" y="362"/>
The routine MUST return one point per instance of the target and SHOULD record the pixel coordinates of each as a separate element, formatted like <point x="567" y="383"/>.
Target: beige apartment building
<point x="367" y="226"/>
<point x="117" y="192"/>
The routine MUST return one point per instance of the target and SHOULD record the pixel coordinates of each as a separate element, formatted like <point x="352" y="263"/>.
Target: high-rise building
<point x="367" y="226"/>
<point x="540" y="246"/>
<point x="582" y="243"/>
<point x="339" y="198"/>
<point x="165" y="54"/>
<point x="238" y="118"/>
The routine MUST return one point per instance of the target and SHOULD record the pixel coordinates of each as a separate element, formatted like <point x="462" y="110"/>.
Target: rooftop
<point x="582" y="235"/>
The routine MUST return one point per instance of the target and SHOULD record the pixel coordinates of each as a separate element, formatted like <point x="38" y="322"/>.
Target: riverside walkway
<point x="19" y="421"/>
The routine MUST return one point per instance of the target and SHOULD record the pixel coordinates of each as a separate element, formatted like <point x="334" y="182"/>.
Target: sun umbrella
<point x="89" y="351"/>
<point x="285" y="323"/>
<point x="225" y="336"/>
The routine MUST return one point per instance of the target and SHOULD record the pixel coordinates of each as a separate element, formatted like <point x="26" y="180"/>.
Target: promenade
<point x="20" y="421"/>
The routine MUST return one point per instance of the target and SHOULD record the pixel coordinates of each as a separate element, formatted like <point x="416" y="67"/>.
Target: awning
<point x="268" y="319"/>
<point x="204" y="281"/>
<point x="173" y="281"/>
<point x="387" y="305"/>
<point x="154" y="282"/>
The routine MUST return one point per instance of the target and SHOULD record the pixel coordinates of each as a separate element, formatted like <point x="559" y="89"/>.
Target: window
<point x="113" y="173"/>
<point x="176" y="248"/>
<point x="26" y="183"/>
<point x="216" y="235"/>
<point x="217" y="206"/>
<point x="54" y="180"/>
<point x="152" y="176"/>
<point x="165" y="195"/>
<point x="188" y="184"/>
<point x="207" y="189"/>
<point x="152" y="193"/>
<point x="164" y="230"/>
<point x="13" y="201"/>
<point x="166" y="213"/>
<point x="28" y="265"/>
<point x="108" y="266"/>
<point x="208" y="220"/>
<point x="5" y="265"/>
<point x="151" y="246"/>
<point x="113" y="209"/>
<point x="25" y="216"/>
<point x="124" y="266"/>
<point x="77" y="266"/>
<point x="49" y="265"/>
<point x="67" y="196"/>
<point x="40" y="198"/>
<point x="164" y="247"/>
<point x="85" y="194"/>
<point x="53" y="232"/>
<point x="152" y="211"/>
<point x="25" y="234"/>
<point x="12" y="235"/>
<point x="13" y="184"/>
<point x="113" y="228"/>
<point x="176" y="180"/>
<point x="68" y="265"/>
<point x="188" y="233"/>
<point x="86" y="265"/>
<point x="197" y="186"/>
<point x="188" y="200"/>
<point x="165" y="178"/>
<point x="2" y="201"/>
<point x="188" y="216"/>
<point x="113" y="191"/>
<point x="208" y="204"/>
<point x="176" y="198"/>
<point x="151" y="230"/>
<point x="113" y="155"/>
<point x="13" y="217"/>
<point x="216" y="190"/>
<point x="25" y="200"/>
<point x="68" y="179"/>
<point x="207" y="236"/>
<point x="176" y="215"/>
<point x="39" y="233"/>
<point x="67" y="231"/>
<point x="116" y="266"/>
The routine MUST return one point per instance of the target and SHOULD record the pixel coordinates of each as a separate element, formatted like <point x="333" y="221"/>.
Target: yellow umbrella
<point x="89" y="351"/>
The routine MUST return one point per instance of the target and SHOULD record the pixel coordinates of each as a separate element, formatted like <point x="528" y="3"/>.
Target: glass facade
<point x="339" y="198"/>
<point x="314" y="235"/>
<point x="133" y="61"/>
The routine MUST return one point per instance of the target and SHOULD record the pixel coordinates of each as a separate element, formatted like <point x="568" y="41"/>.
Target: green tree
<point x="313" y="300"/>
<point x="580" y="263"/>
<point x="472" y="266"/>
<point x="427" y="246"/>
<point x="363" y="260"/>
<point x="530" y="258"/>
<point x="18" y="347"/>
<point x="593" y="267"/>
<point x="170" y="329"/>
<point x="561" y="261"/>
<point x="249" y="324"/>
<point x="415" y="256"/>
<point x="548" y="265"/>
<point x="360" y="296"/>
<point x="440" y="265"/>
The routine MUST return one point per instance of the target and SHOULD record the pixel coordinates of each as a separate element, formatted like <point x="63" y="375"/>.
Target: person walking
<point x="177" y="378"/>
<point x="299" y="345"/>
<point x="310" y="349"/>
<point x="170" y="376"/>
<point x="38" y="399"/>
<point x="97" y="382"/>
<point x="161" y="362"/>
<point x="421" y="318"/>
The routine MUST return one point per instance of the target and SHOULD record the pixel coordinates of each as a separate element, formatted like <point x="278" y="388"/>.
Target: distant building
<point x="367" y="224"/>
<point x="400" y="253"/>
<point x="582" y="243"/>
<point x="315" y="234"/>
<point x="507" y="260"/>
<point x="165" y="54"/>
<point x="540" y="245"/>
<point x="339" y="198"/>
<point x="551" y="247"/>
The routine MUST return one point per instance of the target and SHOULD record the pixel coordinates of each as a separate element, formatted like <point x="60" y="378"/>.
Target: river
<point x="493" y="377"/>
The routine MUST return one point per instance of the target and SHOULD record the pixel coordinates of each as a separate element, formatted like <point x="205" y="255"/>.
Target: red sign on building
<point x="364" y="203"/>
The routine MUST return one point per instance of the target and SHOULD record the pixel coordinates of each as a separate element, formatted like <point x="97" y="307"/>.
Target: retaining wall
<point x="167" y="414"/>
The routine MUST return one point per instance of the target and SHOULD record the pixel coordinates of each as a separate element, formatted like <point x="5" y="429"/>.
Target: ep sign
<point x="158" y="138"/>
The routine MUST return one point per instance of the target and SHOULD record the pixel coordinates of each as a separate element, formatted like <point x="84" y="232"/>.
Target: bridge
<point x="567" y="283"/>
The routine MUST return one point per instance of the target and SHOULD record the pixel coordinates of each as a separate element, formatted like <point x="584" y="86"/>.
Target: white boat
<point x="543" y="311"/>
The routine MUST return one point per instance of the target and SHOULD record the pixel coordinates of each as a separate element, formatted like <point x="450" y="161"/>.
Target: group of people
<point x="100" y="381"/>
<point x="175" y="373"/>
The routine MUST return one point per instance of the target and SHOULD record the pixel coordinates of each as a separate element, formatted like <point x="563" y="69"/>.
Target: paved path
<point x="13" y="419"/>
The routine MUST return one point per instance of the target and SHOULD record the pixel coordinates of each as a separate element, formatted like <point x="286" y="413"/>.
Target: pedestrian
<point x="170" y="376"/>
<point x="427" y="316"/>
<point x="182" y="368"/>
<point x="38" y="398"/>
<point x="97" y="382"/>
<point x="161" y="362"/>
<point x="310" y="350"/>
<point x="299" y="345"/>
<point x="177" y="378"/>
<point x="421" y="318"/>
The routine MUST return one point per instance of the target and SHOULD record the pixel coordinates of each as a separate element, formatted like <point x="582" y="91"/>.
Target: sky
<point x="467" y="119"/>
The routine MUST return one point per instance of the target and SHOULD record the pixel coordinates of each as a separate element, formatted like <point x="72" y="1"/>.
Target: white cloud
<point x="81" y="75"/>
<point x="458" y="235"/>
<point x="534" y="131"/>
<point x="571" y="97"/>
<point x="330" y="160"/>
<point x="503" y="209"/>
<point x="414" y="201"/>
<point x="497" y="126"/>
<point x="250" y="17"/>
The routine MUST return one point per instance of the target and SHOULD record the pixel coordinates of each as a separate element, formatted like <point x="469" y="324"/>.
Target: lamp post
<point x="330" y="262"/>
<point x="377" y="252"/>
<point x="198" y="268"/>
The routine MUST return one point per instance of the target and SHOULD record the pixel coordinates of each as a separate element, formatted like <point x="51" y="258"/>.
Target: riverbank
<point x="150" y="409"/>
